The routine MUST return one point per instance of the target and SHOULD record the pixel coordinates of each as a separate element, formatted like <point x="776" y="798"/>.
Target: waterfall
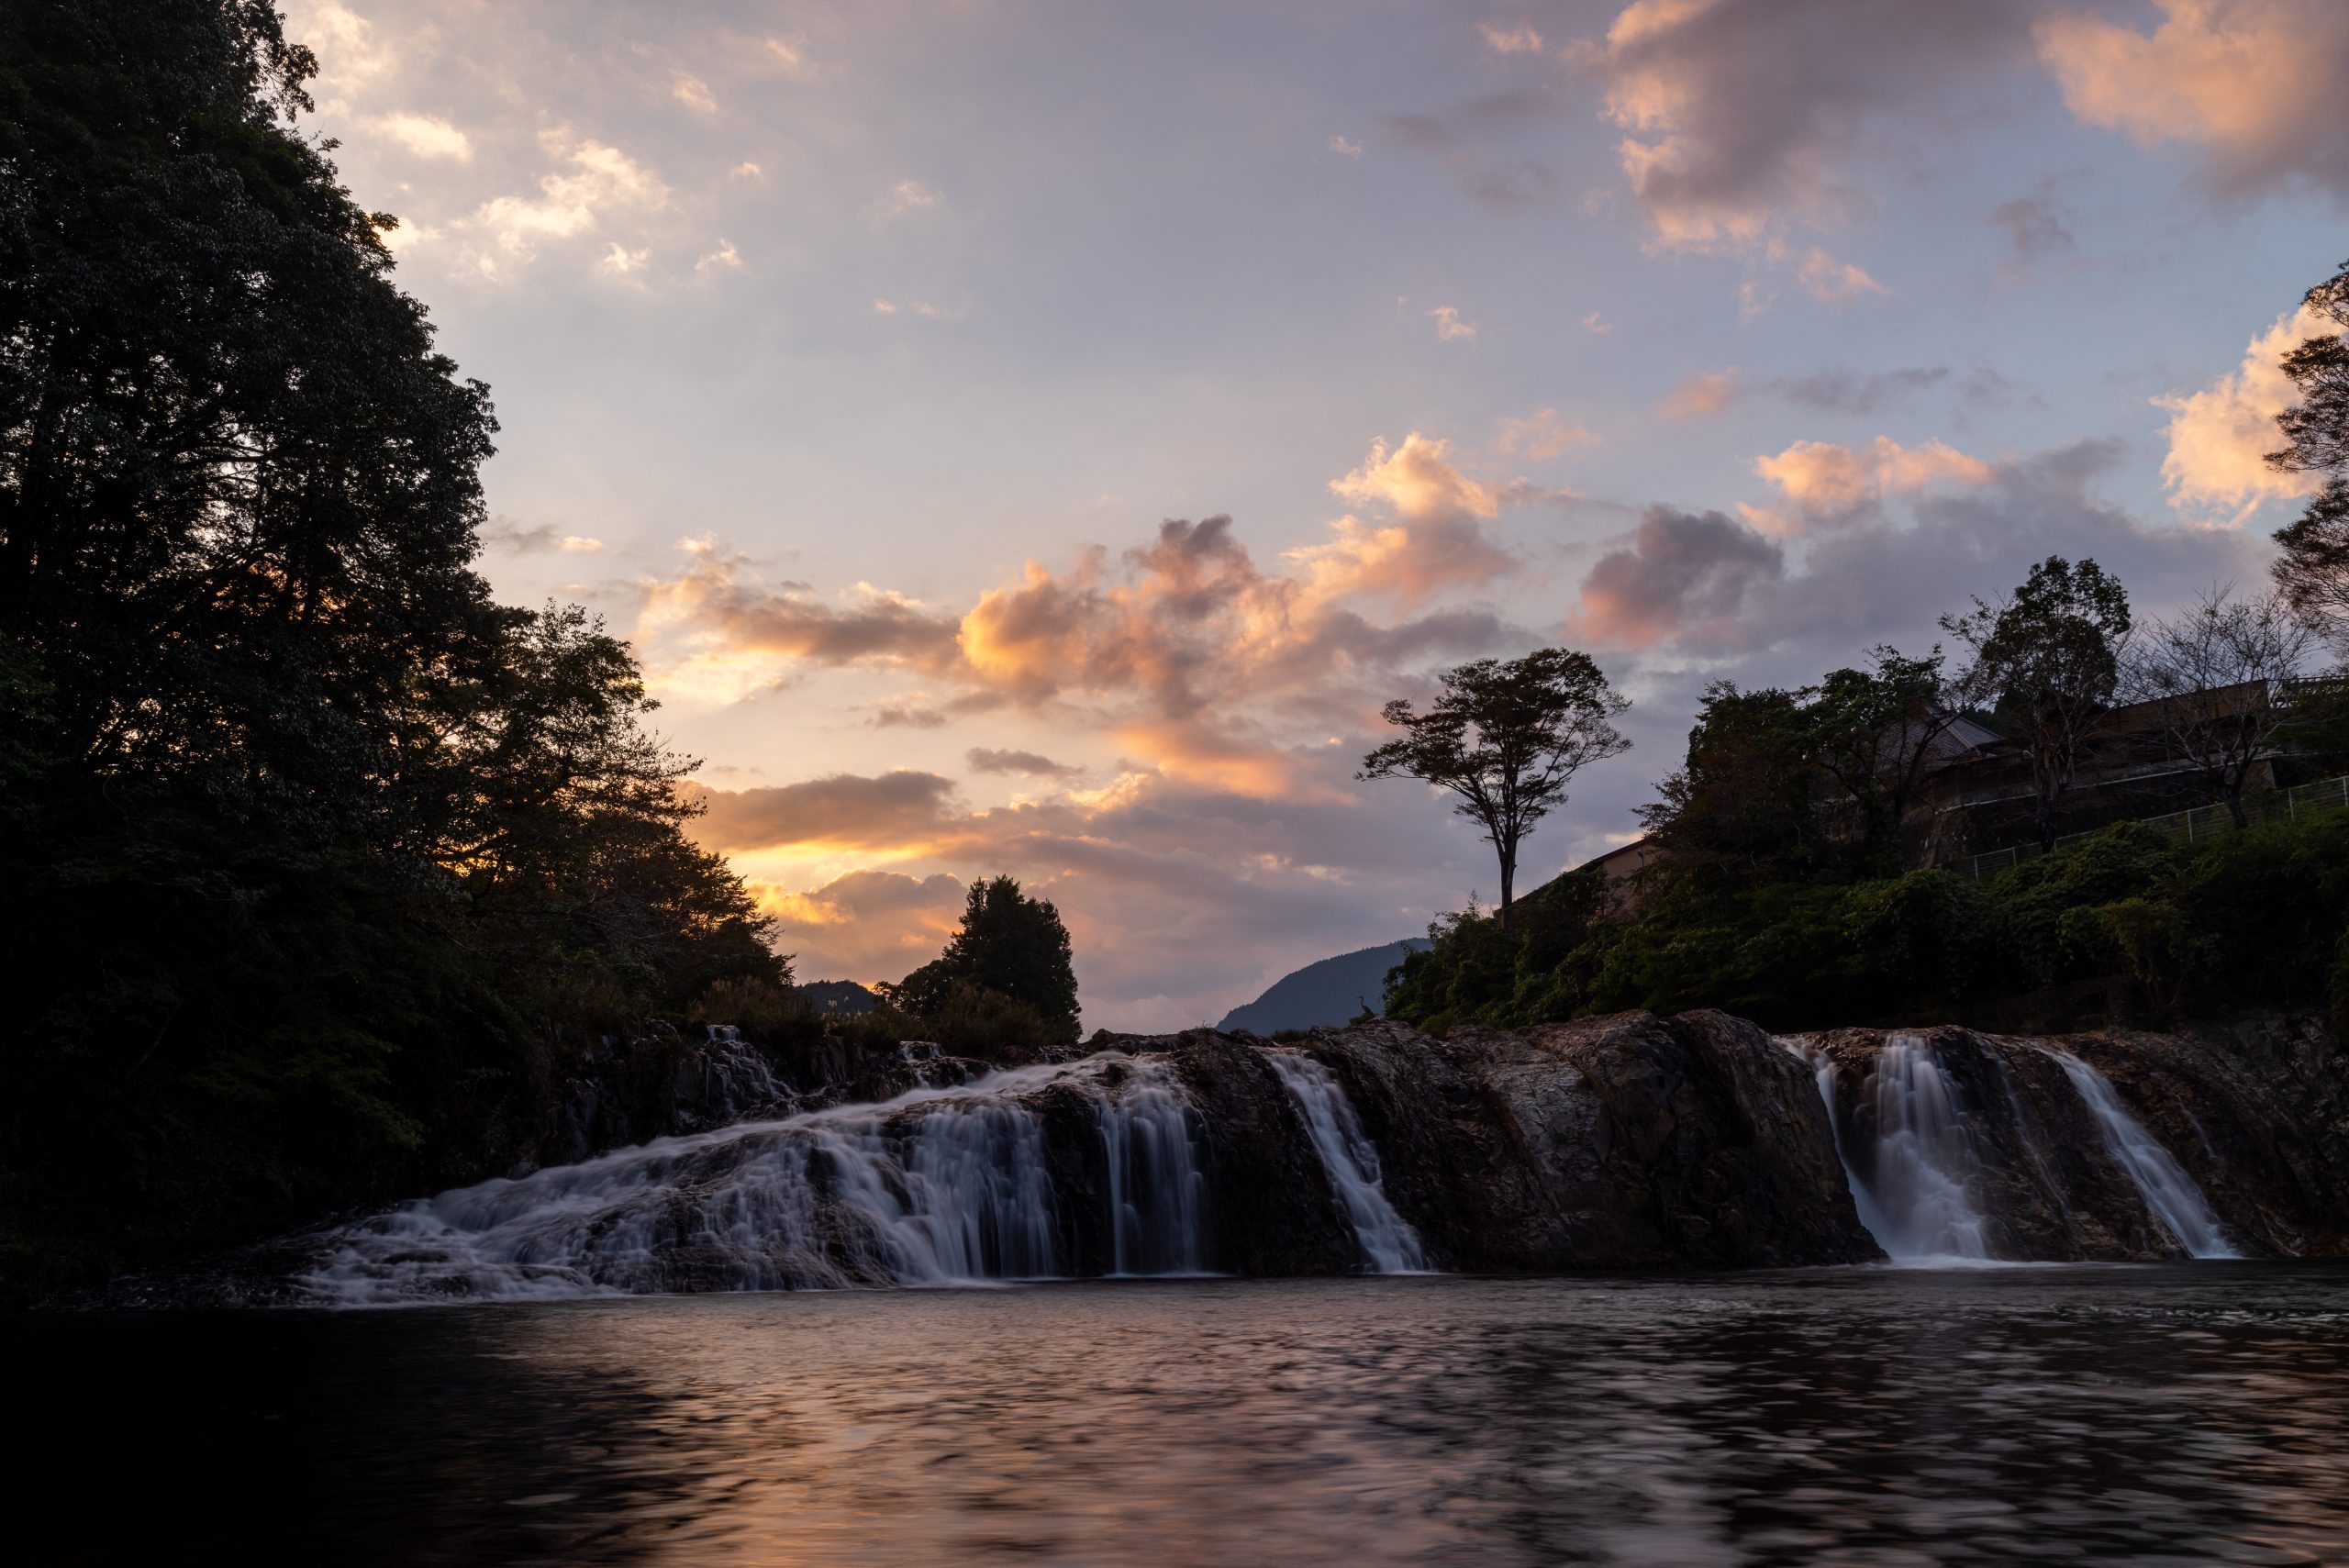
<point x="1156" y="1186"/>
<point x="728" y="1076"/>
<point x="1917" y="1199"/>
<point x="1387" y="1243"/>
<point x="940" y="1186"/>
<point x="2169" y="1191"/>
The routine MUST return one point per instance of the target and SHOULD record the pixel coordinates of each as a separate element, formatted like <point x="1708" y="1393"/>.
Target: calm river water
<point x="2180" y="1414"/>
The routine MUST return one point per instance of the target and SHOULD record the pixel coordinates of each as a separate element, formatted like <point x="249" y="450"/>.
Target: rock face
<point x="1626" y="1142"/>
<point x="2224" y="1139"/>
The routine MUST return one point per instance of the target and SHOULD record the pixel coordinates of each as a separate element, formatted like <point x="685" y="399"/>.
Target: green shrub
<point x="2249" y="918"/>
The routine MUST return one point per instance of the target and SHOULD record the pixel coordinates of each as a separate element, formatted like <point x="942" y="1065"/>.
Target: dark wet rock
<point x="2255" y="1111"/>
<point x="1623" y="1143"/>
<point x="1270" y="1210"/>
<point x="1629" y="1142"/>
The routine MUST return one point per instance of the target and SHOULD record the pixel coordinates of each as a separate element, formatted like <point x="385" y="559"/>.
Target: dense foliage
<point x="1818" y="776"/>
<point x="2128" y="925"/>
<point x="1005" y="979"/>
<point x="2047" y="663"/>
<point x="2313" y="571"/>
<point x="323" y="859"/>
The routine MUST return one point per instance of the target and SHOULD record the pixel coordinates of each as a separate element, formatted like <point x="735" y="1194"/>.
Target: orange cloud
<point x="1542" y="434"/>
<point x="1830" y="484"/>
<point x="1701" y="395"/>
<point x="842" y="811"/>
<point x="2219" y="437"/>
<point x="2257" y="82"/>
<point x="710" y="633"/>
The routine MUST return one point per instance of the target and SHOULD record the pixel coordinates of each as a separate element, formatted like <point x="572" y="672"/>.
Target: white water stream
<point x="938" y="1185"/>
<point x="1920" y="1200"/>
<point x="1387" y="1243"/>
<point x="1920" y="1196"/>
<point x="2169" y="1191"/>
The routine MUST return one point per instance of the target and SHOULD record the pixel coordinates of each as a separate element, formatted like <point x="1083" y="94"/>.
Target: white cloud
<point x="595" y="185"/>
<point x="1342" y="146"/>
<point x="349" y="53"/>
<point x="725" y="259"/>
<point x="790" y="53"/>
<point x="1448" y="327"/>
<point x="694" y="93"/>
<point x="905" y="198"/>
<point x="2219" y="437"/>
<point x="579" y="544"/>
<point x="1598" y="323"/>
<point x="1518" y="39"/>
<point x="427" y="135"/>
<point x="1832" y="282"/>
<point x="746" y="169"/>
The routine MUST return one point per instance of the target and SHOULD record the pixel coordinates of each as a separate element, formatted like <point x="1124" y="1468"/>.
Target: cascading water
<point x="938" y="1185"/>
<point x="2169" y="1191"/>
<point x="733" y="1076"/>
<point x="1387" y="1243"/>
<point x="1156" y="1190"/>
<point x="1917" y="1197"/>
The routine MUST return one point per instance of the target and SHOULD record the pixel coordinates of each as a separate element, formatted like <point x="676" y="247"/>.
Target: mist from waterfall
<point x="1388" y="1244"/>
<point x="2169" y="1191"/>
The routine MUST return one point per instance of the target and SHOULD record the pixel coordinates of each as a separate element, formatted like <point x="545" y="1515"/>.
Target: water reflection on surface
<point x="2188" y="1414"/>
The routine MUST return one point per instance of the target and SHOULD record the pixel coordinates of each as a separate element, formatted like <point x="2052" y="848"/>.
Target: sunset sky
<point x="1036" y="438"/>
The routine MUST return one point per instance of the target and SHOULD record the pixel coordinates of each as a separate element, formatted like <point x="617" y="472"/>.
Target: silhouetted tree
<point x="335" y="858"/>
<point x="1876" y="731"/>
<point x="1746" y="802"/>
<point x="1506" y="738"/>
<point x="1009" y="944"/>
<point x="2047" y="660"/>
<point x="2313" y="571"/>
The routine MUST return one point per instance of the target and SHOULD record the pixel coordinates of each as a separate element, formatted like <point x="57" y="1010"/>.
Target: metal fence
<point x="2203" y="822"/>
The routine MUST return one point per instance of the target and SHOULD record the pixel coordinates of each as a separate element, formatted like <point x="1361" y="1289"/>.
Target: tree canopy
<point x="1507" y="738"/>
<point x="2313" y="570"/>
<point x="332" y="861"/>
<point x="2047" y="661"/>
<point x="1008" y="945"/>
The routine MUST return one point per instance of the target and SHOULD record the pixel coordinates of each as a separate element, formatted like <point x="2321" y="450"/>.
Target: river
<point x="2186" y="1413"/>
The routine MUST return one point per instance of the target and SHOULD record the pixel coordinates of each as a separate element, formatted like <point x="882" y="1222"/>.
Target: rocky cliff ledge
<point x="1640" y="1142"/>
<point x="1624" y="1143"/>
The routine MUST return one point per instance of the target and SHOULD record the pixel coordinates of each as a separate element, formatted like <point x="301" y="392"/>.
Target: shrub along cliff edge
<point x="2127" y="926"/>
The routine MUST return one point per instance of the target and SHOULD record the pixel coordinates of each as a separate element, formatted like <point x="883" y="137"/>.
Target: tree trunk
<point x="1509" y="885"/>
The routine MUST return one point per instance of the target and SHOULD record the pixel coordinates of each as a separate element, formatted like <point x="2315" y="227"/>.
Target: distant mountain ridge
<point x="1331" y="992"/>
